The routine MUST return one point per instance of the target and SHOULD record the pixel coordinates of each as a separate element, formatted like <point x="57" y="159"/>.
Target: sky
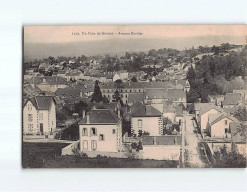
<point x="44" y="41"/>
<point x="61" y="34"/>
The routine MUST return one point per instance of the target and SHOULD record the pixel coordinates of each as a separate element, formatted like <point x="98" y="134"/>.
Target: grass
<point x="34" y="155"/>
<point x="107" y="162"/>
<point x="48" y="155"/>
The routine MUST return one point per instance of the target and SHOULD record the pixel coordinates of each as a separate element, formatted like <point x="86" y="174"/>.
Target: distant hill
<point x="120" y="46"/>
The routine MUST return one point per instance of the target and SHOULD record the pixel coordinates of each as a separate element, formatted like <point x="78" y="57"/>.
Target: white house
<point x="147" y="119"/>
<point x="204" y="112"/>
<point x="101" y="130"/>
<point x="218" y="125"/>
<point x="116" y="77"/>
<point x="39" y="115"/>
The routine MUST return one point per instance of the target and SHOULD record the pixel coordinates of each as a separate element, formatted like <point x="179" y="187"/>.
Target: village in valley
<point x="162" y="108"/>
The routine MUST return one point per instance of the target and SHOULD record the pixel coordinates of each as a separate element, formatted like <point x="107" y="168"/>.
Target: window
<point x="126" y="96"/>
<point x="225" y="122"/>
<point x="85" y="145"/>
<point x="29" y="107"/>
<point x="30" y="117"/>
<point x="30" y="127"/>
<point x="40" y="116"/>
<point x="93" y="132"/>
<point x="101" y="137"/>
<point x="84" y="132"/>
<point x="226" y="130"/>
<point x="139" y="122"/>
<point x="113" y="131"/>
<point x="93" y="145"/>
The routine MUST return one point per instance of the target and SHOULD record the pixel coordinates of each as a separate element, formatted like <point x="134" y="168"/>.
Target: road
<point x="191" y="144"/>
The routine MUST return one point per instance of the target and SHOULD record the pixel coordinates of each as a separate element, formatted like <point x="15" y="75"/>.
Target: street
<point x="191" y="144"/>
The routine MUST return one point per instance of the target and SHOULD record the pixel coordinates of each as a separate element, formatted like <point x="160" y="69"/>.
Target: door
<point x="85" y="145"/>
<point x="41" y="127"/>
<point x="93" y="145"/>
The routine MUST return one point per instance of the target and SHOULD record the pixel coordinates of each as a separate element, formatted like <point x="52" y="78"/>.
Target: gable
<point x="221" y="119"/>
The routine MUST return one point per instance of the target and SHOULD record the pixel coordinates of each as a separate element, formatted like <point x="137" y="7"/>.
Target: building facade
<point x="100" y="130"/>
<point x="39" y="115"/>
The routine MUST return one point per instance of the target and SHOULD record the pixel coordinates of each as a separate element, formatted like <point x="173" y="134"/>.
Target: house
<point x="238" y="139"/>
<point x="218" y="125"/>
<point x="177" y="96"/>
<point x="47" y="83"/>
<point x="216" y="99"/>
<point x="146" y="119"/>
<point x="204" y="112"/>
<point x="169" y="112"/>
<point x="39" y="115"/>
<point x="232" y="99"/>
<point x="123" y="74"/>
<point x="101" y="130"/>
<point x="116" y="77"/>
<point x="154" y="95"/>
<point x="198" y="107"/>
<point x="242" y="92"/>
<point x="166" y="147"/>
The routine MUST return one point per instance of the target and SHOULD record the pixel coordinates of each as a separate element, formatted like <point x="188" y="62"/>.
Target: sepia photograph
<point x="134" y="96"/>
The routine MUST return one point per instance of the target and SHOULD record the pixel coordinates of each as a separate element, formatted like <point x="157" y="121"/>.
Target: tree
<point x="116" y="96"/>
<point x="97" y="95"/>
<point x="224" y="159"/>
<point x="134" y="79"/>
<point x="79" y="107"/>
<point x="192" y="96"/>
<point x="241" y="113"/>
<point x="105" y="100"/>
<point x="191" y="75"/>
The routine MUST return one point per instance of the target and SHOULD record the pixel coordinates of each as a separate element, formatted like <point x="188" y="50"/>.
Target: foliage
<point x="97" y="95"/>
<point x="191" y="75"/>
<point x="34" y="155"/>
<point x="134" y="79"/>
<point x="224" y="159"/>
<point x="105" y="100"/>
<point x="61" y="116"/>
<point x="241" y="113"/>
<point x="79" y="107"/>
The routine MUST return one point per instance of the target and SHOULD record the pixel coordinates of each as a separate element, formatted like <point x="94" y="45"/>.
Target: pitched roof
<point x="207" y="108"/>
<point x="199" y="106"/>
<point x="71" y="91"/>
<point x="237" y="136"/>
<point x="146" y="111"/>
<point x="162" y="140"/>
<point x="135" y="97"/>
<point x="155" y="93"/>
<point x="232" y="99"/>
<point x="175" y="93"/>
<point x="56" y="80"/>
<point x="41" y="102"/>
<point x="221" y="116"/>
<point x="100" y="116"/>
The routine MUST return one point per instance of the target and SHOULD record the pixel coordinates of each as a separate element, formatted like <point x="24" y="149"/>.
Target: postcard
<point x="134" y="96"/>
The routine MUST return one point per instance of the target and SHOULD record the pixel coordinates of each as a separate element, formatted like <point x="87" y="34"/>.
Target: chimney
<point x="88" y="120"/>
<point x="44" y="80"/>
<point x="83" y="113"/>
<point x="118" y="113"/>
<point x="81" y="94"/>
